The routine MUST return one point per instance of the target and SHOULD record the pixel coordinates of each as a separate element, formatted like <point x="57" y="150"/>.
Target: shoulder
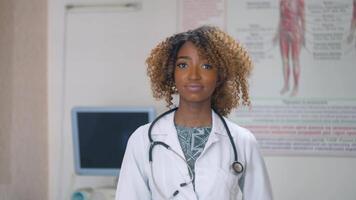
<point x="237" y="130"/>
<point x="239" y="133"/>
<point x="140" y="134"/>
<point x="138" y="145"/>
<point x="138" y="142"/>
<point x="243" y="134"/>
<point x="163" y="126"/>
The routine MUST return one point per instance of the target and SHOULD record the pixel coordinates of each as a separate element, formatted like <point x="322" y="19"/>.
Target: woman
<point x="188" y="153"/>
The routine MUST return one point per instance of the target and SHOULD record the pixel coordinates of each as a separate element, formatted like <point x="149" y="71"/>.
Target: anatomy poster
<point x="303" y="86"/>
<point x="194" y="13"/>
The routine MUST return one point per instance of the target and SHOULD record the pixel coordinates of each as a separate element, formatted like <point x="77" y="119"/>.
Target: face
<point x="195" y="78"/>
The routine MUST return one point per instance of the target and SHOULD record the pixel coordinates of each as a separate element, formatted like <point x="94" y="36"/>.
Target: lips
<point x="194" y="87"/>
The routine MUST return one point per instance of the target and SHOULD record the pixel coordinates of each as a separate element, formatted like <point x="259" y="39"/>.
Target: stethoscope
<point x="236" y="166"/>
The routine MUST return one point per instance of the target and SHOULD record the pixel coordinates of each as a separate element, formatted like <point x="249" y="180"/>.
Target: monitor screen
<point x="100" y="135"/>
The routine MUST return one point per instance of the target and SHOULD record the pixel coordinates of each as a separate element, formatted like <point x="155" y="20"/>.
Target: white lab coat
<point x="214" y="178"/>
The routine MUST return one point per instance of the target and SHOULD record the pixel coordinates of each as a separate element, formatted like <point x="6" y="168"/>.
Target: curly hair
<point x="220" y="49"/>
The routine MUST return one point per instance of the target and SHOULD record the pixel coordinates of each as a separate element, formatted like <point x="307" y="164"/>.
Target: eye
<point x="182" y="65"/>
<point x="207" y="66"/>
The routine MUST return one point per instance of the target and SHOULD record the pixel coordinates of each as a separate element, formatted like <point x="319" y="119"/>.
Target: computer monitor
<point x="100" y="135"/>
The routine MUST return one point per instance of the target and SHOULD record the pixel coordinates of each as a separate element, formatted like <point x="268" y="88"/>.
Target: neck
<point x="193" y="115"/>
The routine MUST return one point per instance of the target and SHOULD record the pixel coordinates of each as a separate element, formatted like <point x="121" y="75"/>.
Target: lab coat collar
<point x="166" y="126"/>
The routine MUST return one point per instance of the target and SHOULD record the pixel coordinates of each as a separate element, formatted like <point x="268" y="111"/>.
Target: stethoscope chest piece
<point x="237" y="167"/>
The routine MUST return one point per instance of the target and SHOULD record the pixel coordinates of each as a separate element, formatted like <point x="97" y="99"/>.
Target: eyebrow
<point x="184" y="57"/>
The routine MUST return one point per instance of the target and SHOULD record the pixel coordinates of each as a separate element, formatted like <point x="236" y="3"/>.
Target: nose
<point x="194" y="73"/>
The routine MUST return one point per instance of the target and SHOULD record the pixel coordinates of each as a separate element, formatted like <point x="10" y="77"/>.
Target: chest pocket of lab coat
<point x="225" y="186"/>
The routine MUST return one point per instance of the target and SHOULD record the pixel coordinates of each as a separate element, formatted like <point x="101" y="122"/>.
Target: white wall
<point x="312" y="178"/>
<point x="114" y="45"/>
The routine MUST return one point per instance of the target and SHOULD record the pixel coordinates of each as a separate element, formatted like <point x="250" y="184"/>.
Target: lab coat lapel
<point x="172" y="137"/>
<point x="167" y="127"/>
<point x="216" y="130"/>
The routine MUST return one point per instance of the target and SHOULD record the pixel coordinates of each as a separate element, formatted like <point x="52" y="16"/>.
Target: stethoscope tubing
<point x="154" y="143"/>
<point x="229" y="134"/>
<point x="236" y="165"/>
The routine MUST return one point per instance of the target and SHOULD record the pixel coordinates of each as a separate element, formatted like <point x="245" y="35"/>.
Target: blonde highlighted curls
<point x="221" y="50"/>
